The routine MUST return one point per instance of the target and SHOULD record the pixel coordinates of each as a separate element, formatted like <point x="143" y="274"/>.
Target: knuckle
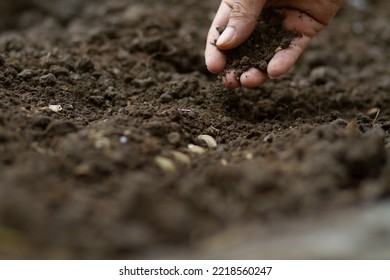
<point x="241" y="10"/>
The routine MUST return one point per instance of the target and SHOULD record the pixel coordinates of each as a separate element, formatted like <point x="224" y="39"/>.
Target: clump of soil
<point x="267" y="39"/>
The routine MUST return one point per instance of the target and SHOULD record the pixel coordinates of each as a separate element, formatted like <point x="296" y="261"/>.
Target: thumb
<point x="242" y="21"/>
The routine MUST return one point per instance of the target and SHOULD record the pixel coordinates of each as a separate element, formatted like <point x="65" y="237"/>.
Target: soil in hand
<point x="268" y="38"/>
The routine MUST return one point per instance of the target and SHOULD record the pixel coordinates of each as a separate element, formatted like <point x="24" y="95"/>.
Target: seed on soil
<point x="224" y="162"/>
<point x="249" y="156"/>
<point x="82" y="170"/>
<point x="55" y="108"/>
<point x="181" y="157"/>
<point x="123" y="139"/>
<point x="102" y="142"/>
<point x="195" y="149"/>
<point x="372" y="111"/>
<point x="165" y="164"/>
<point x="209" y="140"/>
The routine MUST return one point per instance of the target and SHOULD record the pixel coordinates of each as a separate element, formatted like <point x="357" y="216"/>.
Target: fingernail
<point x="226" y="36"/>
<point x="271" y="77"/>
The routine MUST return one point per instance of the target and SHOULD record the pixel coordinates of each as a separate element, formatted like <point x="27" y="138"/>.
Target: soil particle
<point x="48" y="80"/>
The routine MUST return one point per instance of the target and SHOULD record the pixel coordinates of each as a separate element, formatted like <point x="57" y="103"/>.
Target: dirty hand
<point x="239" y="16"/>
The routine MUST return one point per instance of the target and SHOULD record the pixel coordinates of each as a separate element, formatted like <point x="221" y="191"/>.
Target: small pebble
<point x="48" y="80"/>
<point x="26" y="74"/>
<point x="85" y="64"/>
<point x="165" y="98"/>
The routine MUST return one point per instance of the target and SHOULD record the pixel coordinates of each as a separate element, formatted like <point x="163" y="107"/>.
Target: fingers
<point x="230" y="80"/>
<point x="285" y="59"/>
<point x="253" y="78"/>
<point x="215" y="60"/>
<point x="239" y="17"/>
<point x="241" y="20"/>
<point x="320" y="10"/>
<point x="249" y="79"/>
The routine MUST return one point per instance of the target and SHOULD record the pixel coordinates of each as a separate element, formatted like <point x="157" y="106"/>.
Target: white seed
<point x="196" y="149"/>
<point x="209" y="140"/>
<point x="249" y="156"/>
<point x="373" y="111"/>
<point x="38" y="149"/>
<point x="181" y="157"/>
<point x="165" y="164"/>
<point x="82" y="170"/>
<point x="123" y="139"/>
<point x="102" y="143"/>
<point x="224" y="162"/>
<point x="55" y="108"/>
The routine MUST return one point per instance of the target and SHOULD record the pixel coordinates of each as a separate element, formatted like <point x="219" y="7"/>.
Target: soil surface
<point x="101" y="107"/>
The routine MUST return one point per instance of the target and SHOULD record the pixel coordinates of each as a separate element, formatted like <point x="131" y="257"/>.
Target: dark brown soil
<point x="100" y="101"/>
<point x="267" y="39"/>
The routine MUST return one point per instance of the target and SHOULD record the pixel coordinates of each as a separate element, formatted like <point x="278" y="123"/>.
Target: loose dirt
<point x="100" y="101"/>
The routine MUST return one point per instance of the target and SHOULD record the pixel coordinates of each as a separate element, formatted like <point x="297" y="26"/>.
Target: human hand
<point x="307" y="17"/>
